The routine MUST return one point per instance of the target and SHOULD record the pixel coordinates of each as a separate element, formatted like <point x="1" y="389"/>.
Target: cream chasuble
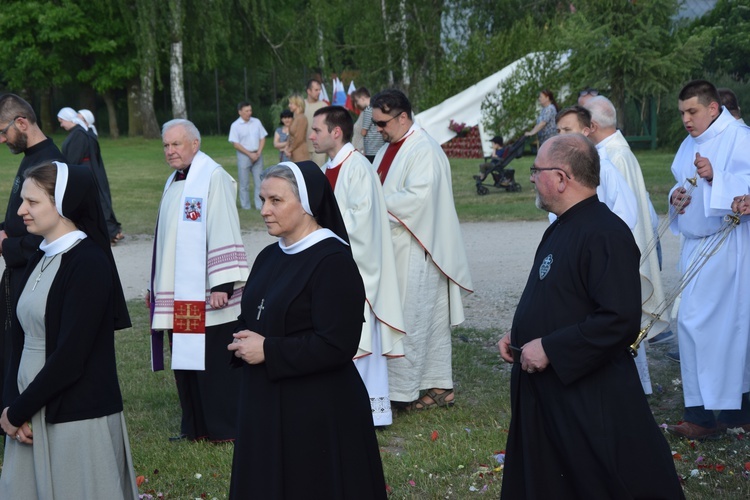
<point x="418" y="193"/>
<point x="360" y="198"/>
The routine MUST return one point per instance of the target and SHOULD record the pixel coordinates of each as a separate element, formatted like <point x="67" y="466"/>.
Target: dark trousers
<point x="706" y="418"/>
<point x="209" y="398"/>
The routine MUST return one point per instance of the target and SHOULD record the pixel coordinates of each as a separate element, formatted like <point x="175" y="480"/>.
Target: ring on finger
<point x="530" y="370"/>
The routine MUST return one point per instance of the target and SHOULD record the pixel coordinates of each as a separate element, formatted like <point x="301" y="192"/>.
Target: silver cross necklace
<point x="45" y="264"/>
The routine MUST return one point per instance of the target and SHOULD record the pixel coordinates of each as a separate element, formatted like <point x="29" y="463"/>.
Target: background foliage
<point x="114" y="56"/>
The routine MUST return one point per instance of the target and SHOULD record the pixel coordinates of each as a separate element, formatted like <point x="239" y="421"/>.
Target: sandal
<point x="438" y="400"/>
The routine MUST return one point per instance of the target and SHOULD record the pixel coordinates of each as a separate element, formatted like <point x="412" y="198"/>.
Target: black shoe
<point x="663" y="337"/>
<point x="673" y="356"/>
<point x="179" y="437"/>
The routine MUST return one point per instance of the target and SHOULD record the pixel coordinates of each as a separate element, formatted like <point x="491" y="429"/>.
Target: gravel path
<point x="500" y="256"/>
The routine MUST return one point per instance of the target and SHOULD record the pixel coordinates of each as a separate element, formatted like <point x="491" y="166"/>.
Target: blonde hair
<point x="297" y="101"/>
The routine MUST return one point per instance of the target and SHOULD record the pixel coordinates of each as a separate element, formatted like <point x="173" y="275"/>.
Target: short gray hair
<point x="285" y="173"/>
<point x="602" y="111"/>
<point x="190" y="129"/>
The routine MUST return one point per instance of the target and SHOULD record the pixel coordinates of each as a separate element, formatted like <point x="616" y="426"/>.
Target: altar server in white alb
<point x="198" y="275"/>
<point x="433" y="271"/>
<point x="714" y="316"/>
<point x="360" y="198"/>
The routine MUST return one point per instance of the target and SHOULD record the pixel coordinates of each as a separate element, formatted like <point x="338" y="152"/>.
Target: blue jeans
<point x="706" y="418"/>
<point x="244" y="167"/>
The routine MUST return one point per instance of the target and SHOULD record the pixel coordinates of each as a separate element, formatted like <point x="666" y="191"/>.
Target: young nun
<point x="64" y="421"/>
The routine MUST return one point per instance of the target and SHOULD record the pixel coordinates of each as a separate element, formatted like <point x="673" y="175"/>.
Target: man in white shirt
<point x="248" y="137"/>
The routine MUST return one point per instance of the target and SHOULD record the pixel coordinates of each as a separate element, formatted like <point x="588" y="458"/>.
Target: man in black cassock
<point x="581" y="426"/>
<point x="20" y="131"/>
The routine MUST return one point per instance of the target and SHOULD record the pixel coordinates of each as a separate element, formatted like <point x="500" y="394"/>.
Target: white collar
<point x="345" y="151"/>
<point x="61" y="244"/>
<point x="414" y="127"/>
<point x="606" y="140"/>
<point x="724" y="120"/>
<point x="308" y="241"/>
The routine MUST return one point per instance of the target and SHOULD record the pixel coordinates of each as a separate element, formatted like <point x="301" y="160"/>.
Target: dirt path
<point x="500" y="255"/>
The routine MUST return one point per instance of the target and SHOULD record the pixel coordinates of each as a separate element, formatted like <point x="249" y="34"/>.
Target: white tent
<point x="466" y="107"/>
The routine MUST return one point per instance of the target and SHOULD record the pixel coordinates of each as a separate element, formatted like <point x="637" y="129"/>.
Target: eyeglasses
<point x="383" y="123"/>
<point x="536" y="170"/>
<point x="12" y="122"/>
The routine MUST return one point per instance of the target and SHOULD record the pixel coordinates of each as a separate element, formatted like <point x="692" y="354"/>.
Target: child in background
<point x="498" y="153"/>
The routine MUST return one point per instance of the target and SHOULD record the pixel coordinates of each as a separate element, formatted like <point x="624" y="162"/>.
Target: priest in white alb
<point x="360" y="198"/>
<point x="433" y="271"/>
<point x="199" y="269"/>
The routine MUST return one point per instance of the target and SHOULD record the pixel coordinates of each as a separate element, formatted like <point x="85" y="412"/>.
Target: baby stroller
<point x="503" y="178"/>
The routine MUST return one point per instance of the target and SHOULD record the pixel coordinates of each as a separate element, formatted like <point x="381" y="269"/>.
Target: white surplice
<point x="714" y="315"/>
<point x="360" y="198"/>
<point x="617" y="150"/>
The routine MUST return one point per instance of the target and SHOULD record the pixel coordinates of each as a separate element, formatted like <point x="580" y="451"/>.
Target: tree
<point x="110" y="58"/>
<point x="476" y="54"/>
<point x="628" y="47"/>
<point x="727" y="26"/>
<point x="140" y="17"/>
<point x="176" y="21"/>
<point x="512" y="109"/>
<point x="40" y="41"/>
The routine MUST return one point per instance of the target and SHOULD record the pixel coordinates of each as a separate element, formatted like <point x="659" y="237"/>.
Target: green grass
<point x="461" y="458"/>
<point x="137" y="171"/>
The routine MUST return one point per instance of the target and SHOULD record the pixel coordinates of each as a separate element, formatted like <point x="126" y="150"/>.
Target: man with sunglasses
<point x="21" y="133"/>
<point x="431" y="263"/>
<point x="581" y="426"/>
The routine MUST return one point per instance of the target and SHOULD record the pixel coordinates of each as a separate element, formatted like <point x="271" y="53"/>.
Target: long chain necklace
<point x="45" y="264"/>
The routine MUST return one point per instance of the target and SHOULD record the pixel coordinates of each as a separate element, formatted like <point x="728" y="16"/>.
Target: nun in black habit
<point x="63" y="414"/>
<point x="306" y="429"/>
<point x="81" y="147"/>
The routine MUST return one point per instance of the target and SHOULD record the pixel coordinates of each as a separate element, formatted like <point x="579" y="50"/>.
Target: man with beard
<point x="581" y="426"/>
<point x="20" y="131"/>
<point x="431" y="263"/>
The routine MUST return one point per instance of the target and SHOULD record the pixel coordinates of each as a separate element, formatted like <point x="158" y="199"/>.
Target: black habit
<point x="81" y="147"/>
<point x="19" y="245"/>
<point x="583" y="428"/>
<point x="306" y="426"/>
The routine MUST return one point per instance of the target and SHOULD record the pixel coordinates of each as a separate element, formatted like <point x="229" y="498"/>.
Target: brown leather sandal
<point x="438" y="400"/>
